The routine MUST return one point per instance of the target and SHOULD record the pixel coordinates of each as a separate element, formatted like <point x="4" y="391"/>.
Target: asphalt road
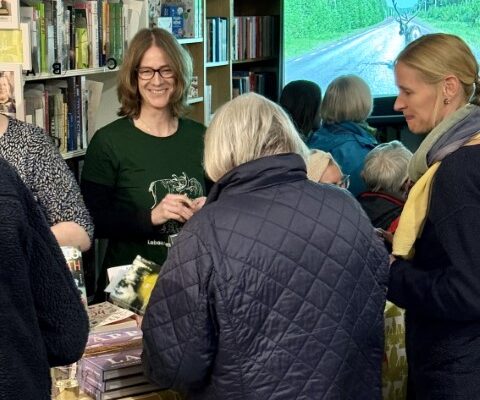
<point x="369" y="55"/>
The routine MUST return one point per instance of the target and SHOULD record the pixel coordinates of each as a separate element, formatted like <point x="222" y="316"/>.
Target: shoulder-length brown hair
<point x="180" y="62"/>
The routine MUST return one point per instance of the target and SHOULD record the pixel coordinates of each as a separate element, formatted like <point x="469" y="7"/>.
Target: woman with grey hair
<point x="386" y="175"/>
<point x="276" y="288"/>
<point x="344" y="132"/>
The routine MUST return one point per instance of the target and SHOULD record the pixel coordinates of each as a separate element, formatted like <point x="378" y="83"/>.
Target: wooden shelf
<point x="194" y="100"/>
<point x="253" y="60"/>
<point x="190" y="40"/>
<point x="68" y="73"/>
<point x="73" y="154"/>
<point x="216" y="64"/>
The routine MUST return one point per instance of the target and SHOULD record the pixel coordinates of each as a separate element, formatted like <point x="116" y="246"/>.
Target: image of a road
<point x="369" y="54"/>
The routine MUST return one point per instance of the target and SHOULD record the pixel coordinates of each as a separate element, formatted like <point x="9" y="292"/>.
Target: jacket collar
<point x="333" y="135"/>
<point x="259" y="174"/>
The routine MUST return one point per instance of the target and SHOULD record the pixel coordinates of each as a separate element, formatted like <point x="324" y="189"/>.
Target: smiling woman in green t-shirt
<point x="143" y="175"/>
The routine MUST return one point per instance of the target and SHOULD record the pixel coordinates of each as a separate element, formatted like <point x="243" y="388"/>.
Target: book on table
<point x="107" y="316"/>
<point x="133" y="287"/>
<point x="111" y="365"/>
<point x="119" y="393"/>
<point x="113" y="340"/>
<point x="113" y="384"/>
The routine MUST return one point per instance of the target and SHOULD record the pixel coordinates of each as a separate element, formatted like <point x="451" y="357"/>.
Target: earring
<point x="446" y="101"/>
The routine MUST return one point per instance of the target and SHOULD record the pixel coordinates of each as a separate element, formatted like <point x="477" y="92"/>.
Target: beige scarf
<point x="415" y="210"/>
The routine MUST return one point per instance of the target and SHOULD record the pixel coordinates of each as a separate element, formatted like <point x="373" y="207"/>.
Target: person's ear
<point x="451" y="87"/>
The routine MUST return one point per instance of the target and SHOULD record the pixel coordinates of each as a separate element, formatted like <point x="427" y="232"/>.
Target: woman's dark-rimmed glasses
<point x="146" y="73"/>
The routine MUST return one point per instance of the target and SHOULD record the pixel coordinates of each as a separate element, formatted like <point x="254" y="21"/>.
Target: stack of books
<point x="111" y="367"/>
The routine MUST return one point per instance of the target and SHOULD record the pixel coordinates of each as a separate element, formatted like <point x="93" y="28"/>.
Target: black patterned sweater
<point x="43" y="321"/>
<point x="41" y="167"/>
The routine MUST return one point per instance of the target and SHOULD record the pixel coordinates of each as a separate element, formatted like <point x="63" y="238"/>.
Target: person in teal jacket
<point x="344" y="132"/>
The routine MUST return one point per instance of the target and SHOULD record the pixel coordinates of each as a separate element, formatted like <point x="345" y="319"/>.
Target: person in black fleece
<point x="44" y="323"/>
<point x="436" y="274"/>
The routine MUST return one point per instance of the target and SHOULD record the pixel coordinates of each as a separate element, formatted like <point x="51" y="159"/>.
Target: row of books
<point x="76" y="34"/>
<point x="60" y="106"/>
<point x="217" y="39"/>
<point x="254" y="37"/>
<point x="252" y="81"/>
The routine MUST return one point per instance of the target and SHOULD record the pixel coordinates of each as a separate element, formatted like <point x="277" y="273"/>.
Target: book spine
<point x="90" y="390"/>
<point x="88" y="368"/>
<point x="71" y="39"/>
<point x="42" y="29"/>
<point x="87" y="378"/>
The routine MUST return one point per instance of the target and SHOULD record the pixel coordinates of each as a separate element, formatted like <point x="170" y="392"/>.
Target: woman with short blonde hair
<point x="263" y="259"/>
<point x="345" y="133"/>
<point x="248" y="128"/>
<point x="348" y="98"/>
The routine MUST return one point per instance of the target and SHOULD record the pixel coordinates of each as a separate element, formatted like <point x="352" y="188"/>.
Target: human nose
<point x="399" y="104"/>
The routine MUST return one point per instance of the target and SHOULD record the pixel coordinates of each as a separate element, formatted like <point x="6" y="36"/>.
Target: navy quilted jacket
<point x="275" y="290"/>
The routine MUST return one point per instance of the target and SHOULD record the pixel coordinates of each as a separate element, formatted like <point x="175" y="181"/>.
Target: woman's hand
<point x="173" y="206"/>
<point x="385" y="235"/>
<point x="70" y="233"/>
<point x="198" y="203"/>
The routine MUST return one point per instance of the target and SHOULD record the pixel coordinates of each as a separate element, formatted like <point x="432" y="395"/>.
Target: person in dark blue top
<point x="344" y="132"/>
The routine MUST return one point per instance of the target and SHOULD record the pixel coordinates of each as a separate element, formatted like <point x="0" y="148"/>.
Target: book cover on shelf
<point x="9" y="15"/>
<point x="113" y="340"/>
<point x="73" y="256"/>
<point x="112" y="365"/>
<point x="29" y="16"/>
<point x="113" y="384"/>
<point x="175" y="11"/>
<point x="11" y="46"/>
<point x="134" y="288"/>
<point x="190" y="22"/>
<point x="11" y="91"/>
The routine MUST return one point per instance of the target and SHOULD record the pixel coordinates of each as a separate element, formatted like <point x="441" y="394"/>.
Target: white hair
<point x="386" y="167"/>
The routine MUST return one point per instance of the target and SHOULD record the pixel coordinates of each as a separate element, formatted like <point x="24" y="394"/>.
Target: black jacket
<point x="383" y="209"/>
<point x="42" y="320"/>
<point x="274" y="290"/>
<point x="440" y="289"/>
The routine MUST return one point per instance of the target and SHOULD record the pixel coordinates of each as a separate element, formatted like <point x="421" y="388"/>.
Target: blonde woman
<point x="344" y="132"/>
<point x="436" y="274"/>
<point x="269" y="291"/>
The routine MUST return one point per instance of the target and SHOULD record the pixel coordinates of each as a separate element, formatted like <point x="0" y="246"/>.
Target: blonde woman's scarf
<point x="448" y="136"/>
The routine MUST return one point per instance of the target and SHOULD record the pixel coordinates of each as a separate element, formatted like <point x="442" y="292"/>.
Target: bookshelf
<point x="66" y="44"/>
<point x="214" y="76"/>
<point x="220" y="75"/>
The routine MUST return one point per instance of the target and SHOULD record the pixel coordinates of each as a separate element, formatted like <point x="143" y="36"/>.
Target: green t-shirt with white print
<point x="141" y="169"/>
